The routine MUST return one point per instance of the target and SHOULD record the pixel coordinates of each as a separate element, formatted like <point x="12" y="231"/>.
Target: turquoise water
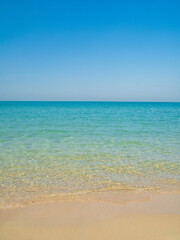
<point x="64" y="148"/>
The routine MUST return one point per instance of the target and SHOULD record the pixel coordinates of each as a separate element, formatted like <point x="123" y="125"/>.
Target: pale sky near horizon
<point x="90" y="50"/>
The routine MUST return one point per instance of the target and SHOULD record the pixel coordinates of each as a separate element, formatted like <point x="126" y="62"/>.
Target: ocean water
<point x="66" y="148"/>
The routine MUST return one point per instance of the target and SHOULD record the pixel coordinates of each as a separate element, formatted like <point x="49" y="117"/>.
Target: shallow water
<point x="64" y="148"/>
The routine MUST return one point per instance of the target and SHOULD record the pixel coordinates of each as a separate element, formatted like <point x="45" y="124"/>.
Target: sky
<point x="90" y="50"/>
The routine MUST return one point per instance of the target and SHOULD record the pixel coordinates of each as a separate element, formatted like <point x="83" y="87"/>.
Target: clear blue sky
<point x="90" y="50"/>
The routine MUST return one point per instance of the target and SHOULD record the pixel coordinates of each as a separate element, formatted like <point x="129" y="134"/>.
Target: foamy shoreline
<point x="118" y="196"/>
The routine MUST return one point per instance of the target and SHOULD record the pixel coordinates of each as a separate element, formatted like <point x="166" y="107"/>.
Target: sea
<point x="50" y="149"/>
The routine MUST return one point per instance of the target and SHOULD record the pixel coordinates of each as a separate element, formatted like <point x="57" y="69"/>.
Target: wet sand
<point x="155" y="218"/>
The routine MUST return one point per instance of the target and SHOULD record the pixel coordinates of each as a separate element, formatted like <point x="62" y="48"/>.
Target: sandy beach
<point x="156" y="218"/>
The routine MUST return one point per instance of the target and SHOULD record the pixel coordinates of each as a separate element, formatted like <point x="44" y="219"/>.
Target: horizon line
<point x="89" y="101"/>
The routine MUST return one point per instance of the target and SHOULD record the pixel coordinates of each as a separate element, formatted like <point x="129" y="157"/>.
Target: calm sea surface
<point x="64" y="148"/>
